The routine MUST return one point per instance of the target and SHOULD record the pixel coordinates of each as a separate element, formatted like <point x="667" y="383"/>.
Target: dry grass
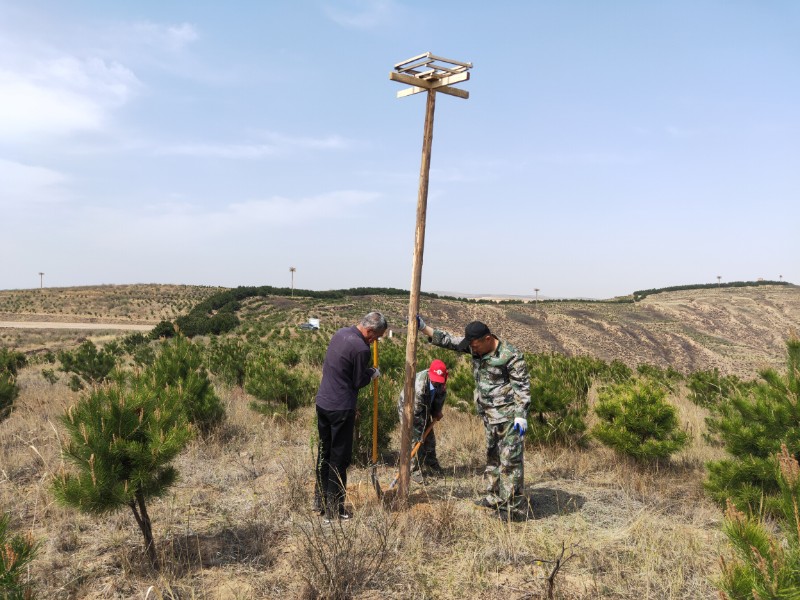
<point x="239" y="525"/>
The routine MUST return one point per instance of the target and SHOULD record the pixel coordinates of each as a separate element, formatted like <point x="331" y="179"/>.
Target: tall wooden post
<point x="424" y="73"/>
<point x="413" y="303"/>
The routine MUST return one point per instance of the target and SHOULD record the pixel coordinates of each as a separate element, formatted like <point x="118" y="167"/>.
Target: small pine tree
<point x="752" y="426"/>
<point x="638" y="422"/>
<point x="766" y="558"/>
<point x="88" y="363"/>
<point x="121" y="440"/>
<point x="16" y="553"/>
<point x="709" y="388"/>
<point x="559" y="392"/>
<point x="10" y="363"/>
<point x="277" y="386"/>
<point x="179" y="365"/>
<point x="227" y="360"/>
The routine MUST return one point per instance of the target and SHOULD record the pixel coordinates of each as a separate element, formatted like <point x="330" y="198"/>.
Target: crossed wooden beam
<point x="428" y="72"/>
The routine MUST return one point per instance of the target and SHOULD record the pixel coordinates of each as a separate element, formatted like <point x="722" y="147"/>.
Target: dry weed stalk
<point x="342" y="558"/>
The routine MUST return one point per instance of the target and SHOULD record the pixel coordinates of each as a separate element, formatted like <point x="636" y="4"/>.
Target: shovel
<point x="414" y="451"/>
<point x="373" y="469"/>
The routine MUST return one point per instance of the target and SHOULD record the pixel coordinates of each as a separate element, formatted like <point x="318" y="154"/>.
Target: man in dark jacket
<point x="346" y="369"/>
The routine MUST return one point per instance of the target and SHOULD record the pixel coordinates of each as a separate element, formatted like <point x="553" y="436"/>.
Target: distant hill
<point x="735" y="329"/>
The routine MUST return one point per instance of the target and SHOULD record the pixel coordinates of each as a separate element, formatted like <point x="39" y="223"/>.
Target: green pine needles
<point x="121" y="441"/>
<point x="179" y="365"/>
<point x="752" y="425"/>
<point x="766" y="555"/>
<point x="10" y="363"/>
<point x="637" y="421"/>
<point x="16" y="553"/>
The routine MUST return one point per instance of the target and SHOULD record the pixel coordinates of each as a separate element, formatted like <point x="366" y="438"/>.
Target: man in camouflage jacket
<point x="502" y="397"/>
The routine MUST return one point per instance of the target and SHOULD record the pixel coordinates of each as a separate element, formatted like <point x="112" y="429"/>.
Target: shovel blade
<point x="373" y="475"/>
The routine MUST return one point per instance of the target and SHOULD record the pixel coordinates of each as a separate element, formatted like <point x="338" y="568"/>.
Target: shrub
<point x="766" y="558"/>
<point x="88" y="363"/>
<point x="165" y="329"/>
<point x="559" y="392"/>
<point x="10" y="363"/>
<point x="16" y="553"/>
<point x="132" y="342"/>
<point x="274" y="384"/>
<point x="179" y="365"/>
<point x="121" y="440"/>
<point x="666" y="378"/>
<point x="752" y="425"/>
<point x="709" y="388"/>
<point x="638" y="422"/>
<point x="50" y="376"/>
<point x="227" y="359"/>
<point x="342" y="560"/>
<point x="388" y="419"/>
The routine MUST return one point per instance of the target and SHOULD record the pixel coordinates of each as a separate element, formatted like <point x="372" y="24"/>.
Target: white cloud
<point x="277" y="145"/>
<point x="25" y="183"/>
<point x="60" y="95"/>
<point x="364" y="14"/>
<point x="170" y="37"/>
<point x="180" y="221"/>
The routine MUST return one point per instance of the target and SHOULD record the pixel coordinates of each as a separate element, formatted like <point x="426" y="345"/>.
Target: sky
<point x="605" y="147"/>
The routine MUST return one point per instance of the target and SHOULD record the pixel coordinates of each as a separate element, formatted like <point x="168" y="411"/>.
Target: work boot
<point x="510" y="515"/>
<point x="484" y="502"/>
<point x="434" y="469"/>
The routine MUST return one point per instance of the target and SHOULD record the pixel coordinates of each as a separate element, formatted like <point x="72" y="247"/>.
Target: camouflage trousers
<point x="504" y="472"/>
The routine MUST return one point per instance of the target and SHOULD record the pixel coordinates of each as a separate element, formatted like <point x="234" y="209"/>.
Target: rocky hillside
<point x="737" y="330"/>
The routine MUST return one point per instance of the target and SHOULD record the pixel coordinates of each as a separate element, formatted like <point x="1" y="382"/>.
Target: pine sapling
<point x="121" y="441"/>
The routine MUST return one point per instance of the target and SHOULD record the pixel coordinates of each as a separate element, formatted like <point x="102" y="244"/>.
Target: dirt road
<point x="56" y="325"/>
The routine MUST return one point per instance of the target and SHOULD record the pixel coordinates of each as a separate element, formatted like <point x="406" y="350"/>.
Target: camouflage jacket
<point x="502" y="385"/>
<point x="426" y="403"/>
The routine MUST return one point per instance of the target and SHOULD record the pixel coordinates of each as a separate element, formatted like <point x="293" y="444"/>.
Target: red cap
<point x="438" y="371"/>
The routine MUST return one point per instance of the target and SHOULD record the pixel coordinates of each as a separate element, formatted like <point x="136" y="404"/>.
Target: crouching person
<point x="430" y="391"/>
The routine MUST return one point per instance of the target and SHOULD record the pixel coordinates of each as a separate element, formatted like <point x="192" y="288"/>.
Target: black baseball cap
<point x="473" y="331"/>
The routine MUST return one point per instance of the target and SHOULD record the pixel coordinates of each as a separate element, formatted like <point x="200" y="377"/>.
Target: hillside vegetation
<point x="607" y="521"/>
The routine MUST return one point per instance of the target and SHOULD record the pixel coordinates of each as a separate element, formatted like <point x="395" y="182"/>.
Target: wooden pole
<point x="413" y="304"/>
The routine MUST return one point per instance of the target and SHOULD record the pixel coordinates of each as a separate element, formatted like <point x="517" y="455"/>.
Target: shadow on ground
<point x="549" y="502"/>
<point x="254" y="544"/>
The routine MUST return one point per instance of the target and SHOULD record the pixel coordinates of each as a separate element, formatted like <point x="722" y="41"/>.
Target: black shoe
<point x="434" y="469"/>
<point x="345" y="514"/>
<point x="484" y="502"/>
<point x="511" y="515"/>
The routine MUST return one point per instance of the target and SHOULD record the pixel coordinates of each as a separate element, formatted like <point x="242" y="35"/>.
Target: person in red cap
<point x="430" y="391"/>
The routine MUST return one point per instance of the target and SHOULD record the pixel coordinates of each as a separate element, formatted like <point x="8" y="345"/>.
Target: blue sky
<point x="606" y="146"/>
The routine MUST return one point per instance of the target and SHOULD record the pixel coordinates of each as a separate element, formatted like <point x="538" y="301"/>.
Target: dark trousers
<point x="335" y="451"/>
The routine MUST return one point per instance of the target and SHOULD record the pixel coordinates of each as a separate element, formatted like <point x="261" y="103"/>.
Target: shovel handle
<point x="375" y="405"/>
<point x="414" y="450"/>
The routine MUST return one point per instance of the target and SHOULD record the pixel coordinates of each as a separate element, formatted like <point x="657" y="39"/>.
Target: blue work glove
<point x="420" y="323"/>
<point x="520" y="426"/>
